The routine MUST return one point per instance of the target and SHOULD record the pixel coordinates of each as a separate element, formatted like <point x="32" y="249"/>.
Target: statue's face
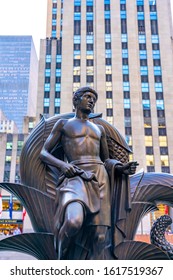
<point x="87" y="102"/>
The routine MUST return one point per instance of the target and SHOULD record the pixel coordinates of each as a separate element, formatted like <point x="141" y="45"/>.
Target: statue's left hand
<point x="128" y="168"/>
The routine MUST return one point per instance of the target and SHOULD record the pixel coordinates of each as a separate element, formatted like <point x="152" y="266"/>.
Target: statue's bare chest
<point x="78" y="128"/>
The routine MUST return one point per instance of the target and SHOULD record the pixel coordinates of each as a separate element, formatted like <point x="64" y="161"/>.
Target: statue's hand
<point x="70" y="170"/>
<point x="128" y="168"/>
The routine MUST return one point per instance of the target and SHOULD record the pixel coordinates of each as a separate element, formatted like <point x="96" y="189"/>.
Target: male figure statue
<point x="83" y="191"/>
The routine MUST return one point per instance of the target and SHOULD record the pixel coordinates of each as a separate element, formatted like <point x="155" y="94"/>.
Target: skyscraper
<point x="123" y="49"/>
<point x="18" y="91"/>
<point x="18" y="78"/>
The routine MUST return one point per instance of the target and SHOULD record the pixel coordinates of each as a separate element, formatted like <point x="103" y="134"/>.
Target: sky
<point x="25" y="17"/>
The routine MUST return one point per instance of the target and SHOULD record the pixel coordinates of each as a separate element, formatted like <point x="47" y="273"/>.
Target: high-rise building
<point x="18" y="96"/>
<point x="18" y="78"/>
<point x="124" y="50"/>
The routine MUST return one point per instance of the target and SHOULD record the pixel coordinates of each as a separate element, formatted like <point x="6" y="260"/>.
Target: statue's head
<point x="77" y="94"/>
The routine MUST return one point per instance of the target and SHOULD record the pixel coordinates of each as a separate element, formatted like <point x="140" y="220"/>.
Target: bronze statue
<point x="76" y="188"/>
<point x="83" y="190"/>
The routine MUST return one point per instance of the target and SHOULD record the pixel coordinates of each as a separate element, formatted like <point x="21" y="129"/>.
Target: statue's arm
<point x="104" y="151"/>
<point x="53" y="139"/>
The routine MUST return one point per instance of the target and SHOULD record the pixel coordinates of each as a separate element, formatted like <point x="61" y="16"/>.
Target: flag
<point x="23" y="213"/>
<point x="11" y="207"/>
<point x="0" y="205"/>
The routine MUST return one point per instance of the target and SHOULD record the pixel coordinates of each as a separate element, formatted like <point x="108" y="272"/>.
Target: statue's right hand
<point x="68" y="170"/>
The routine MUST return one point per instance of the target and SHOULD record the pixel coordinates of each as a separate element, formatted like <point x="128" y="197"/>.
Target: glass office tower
<point x="18" y="78"/>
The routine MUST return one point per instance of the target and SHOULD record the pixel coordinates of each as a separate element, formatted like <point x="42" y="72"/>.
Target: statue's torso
<point x="81" y="140"/>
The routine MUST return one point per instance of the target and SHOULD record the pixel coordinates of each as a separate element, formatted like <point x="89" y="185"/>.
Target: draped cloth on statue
<point x="120" y="201"/>
<point x="91" y="188"/>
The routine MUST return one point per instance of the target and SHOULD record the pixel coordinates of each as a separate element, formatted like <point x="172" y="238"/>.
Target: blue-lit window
<point x="140" y="15"/>
<point x="53" y="33"/>
<point x="143" y="54"/>
<point x="46" y="102"/>
<point x="139" y="3"/>
<point x="156" y="54"/>
<point x="77" y="39"/>
<point x="107" y="14"/>
<point x="77" y="16"/>
<point x="108" y="53"/>
<point x="58" y="72"/>
<point x="48" y="58"/>
<point x="145" y="87"/>
<point x="144" y="70"/>
<point x="123" y="14"/>
<point x="47" y="87"/>
<point x="125" y="69"/>
<point x="77" y="52"/>
<point x="57" y="102"/>
<point x="126" y="86"/>
<point x="146" y="104"/>
<point x="124" y="53"/>
<point x="47" y="72"/>
<point x="107" y="38"/>
<point x="53" y="21"/>
<point x="77" y="2"/>
<point x="57" y="87"/>
<point x="108" y="1"/>
<point x="89" y="16"/>
<point x="155" y="38"/>
<point x="89" y="39"/>
<point x="124" y="37"/>
<point x="90" y="52"/>
<point x="153" y="15"/>
<point x="158" y="87"/>
<point x="126" y="103"/>
<point x="160" y="104"/>
<point x="54" y="11"/>
<point x="142" y="39"/>
<point x="157" y="71"/>
<point x="89" y="2"/>
<point x="58" y="58"/>
<point x="152" y="2"/>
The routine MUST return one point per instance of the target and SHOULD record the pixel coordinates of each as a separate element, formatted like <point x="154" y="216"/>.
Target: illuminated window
<point x="163" y="141"/>
<point x="90" y="70"/>
<point x="108" y="86"/>
<point x="164" y="160"/>
<point x="76" y="70"/>
<point x="109" y="103"/>
<point x="148" y="141"/>
<point x="149" y="160"/>
<point x="9" y="146"/>
<point x="129" y="140"/>
<point x="8" y="158"/>
<point x="76" y="86"/>
<point x="110" y="119"/>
